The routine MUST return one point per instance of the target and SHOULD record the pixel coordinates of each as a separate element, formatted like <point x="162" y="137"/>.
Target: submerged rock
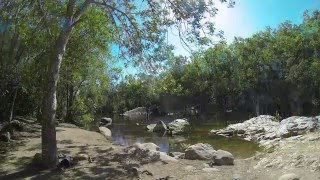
<point x="200" y="151"/>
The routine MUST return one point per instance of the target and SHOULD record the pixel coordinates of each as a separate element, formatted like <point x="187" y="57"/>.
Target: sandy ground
<point x="299" y="157"/>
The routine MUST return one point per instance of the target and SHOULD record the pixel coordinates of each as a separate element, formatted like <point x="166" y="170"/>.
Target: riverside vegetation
<point x="58" y="72"/>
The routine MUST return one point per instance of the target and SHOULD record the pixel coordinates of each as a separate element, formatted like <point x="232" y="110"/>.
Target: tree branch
<point x="81" y="9"/>
<point x="70" y="8"/>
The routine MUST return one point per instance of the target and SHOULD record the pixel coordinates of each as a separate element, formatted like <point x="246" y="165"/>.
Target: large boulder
<point x="160" y="127"/>
<point x="256" y="125"/>
<point x="297" y="125"/>
<point x="179" y="126"/>
<point x="137" y="113"/>
<point x="105" y="131"/>
<point x="223" y="158"/>
<point x="200" y="151"/>
<point x="104" y="121"/>
<point x="267" y="131"/>
<point x="145" y="153"/>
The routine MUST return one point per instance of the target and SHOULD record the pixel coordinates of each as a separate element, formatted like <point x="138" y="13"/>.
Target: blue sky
<point x="251" y="16"/>
<point x="247" y="18"/>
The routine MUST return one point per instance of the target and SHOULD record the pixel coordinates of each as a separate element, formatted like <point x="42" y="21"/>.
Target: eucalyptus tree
<point x="136" y="27"/>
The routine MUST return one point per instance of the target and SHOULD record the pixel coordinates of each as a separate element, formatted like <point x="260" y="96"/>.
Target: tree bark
<point x="49" y="144"/>
<point x="257" y="106"/>
<point x="70" y="101"/>
<point x="13" y="102"/>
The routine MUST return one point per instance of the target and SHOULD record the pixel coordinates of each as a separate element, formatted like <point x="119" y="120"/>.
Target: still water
<point x="126" y="132"/>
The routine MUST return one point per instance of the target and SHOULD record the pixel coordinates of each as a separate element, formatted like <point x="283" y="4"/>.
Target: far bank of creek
<point x="126" y="132"/>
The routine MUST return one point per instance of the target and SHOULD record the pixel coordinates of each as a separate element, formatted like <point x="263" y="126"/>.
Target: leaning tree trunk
<point x="49" y="144"/>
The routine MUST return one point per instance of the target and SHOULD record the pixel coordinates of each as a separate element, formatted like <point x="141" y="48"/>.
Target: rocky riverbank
<point x="268" y="131"/>
<point x="96" y="157"/>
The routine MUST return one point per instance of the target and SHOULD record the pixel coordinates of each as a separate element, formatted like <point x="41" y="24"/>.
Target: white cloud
<point x="233" y="21"/>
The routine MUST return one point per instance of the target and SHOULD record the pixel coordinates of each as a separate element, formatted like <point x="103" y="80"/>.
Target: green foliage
<point x="133" y="92"/>
<point x="86" y="120"/>
<point x="273" y="70"/>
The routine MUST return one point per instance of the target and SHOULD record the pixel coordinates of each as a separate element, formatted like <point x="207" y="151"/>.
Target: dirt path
<point x="300" y="157"/>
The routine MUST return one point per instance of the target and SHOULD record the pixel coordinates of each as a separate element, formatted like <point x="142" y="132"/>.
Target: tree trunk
<point x="70" y="101"/>
<point x="257" y="106"/>
<point x="13" y="102"/>
<point x="49" y="144"/>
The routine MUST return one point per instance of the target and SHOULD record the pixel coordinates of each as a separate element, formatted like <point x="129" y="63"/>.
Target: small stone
<point x="290" y="176"/>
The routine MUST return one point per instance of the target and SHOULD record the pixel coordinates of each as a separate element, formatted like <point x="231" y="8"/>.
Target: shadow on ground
<point x="104" y="166"/>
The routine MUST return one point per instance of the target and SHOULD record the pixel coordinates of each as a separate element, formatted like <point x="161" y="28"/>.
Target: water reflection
<point x="126" y="133"/>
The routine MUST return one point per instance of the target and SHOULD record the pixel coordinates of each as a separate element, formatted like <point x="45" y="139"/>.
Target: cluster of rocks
<point x="267" y="131"/>
<point x="176" y="127"/>
<point x="202" y="151"/>
<point x="144" y="153"/>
